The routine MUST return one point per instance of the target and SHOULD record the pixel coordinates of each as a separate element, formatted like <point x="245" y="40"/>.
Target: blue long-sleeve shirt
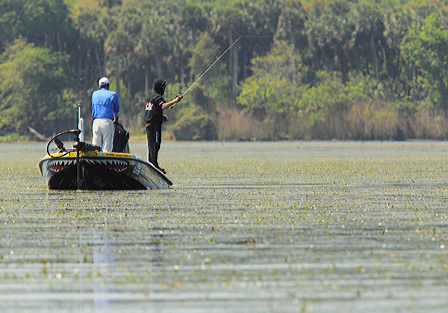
<point x="105" y="104"/>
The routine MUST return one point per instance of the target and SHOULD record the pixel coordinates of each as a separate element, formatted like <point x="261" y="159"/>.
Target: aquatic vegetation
<point x="281" y="227"/>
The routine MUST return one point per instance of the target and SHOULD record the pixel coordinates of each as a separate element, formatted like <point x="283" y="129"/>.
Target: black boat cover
<point x="121" y="139"/>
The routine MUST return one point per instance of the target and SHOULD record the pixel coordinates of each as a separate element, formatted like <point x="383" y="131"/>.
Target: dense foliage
<point x="302" y="69"/>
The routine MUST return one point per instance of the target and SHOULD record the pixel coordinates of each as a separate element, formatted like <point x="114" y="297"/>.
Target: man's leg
<point x="97" y="137"/>
<point x="152" y="145"/>
<point x="158" y="138"/>
<point x="158" y="143"/>
<point x="108" y="135"/>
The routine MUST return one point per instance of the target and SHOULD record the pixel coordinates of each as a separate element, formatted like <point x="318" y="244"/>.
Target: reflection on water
<point x="104" y="268"/>
<point x="287" y="227"/>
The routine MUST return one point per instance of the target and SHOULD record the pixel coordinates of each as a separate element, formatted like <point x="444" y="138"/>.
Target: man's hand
<point x="164" y="118"/>
<point x="172" y="102"/>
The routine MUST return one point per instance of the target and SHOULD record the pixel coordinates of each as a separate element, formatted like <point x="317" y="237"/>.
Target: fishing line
<point x="199" y="78"/>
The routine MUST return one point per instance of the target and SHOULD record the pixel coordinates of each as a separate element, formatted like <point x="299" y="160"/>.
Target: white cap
<point x="103" y="81"/>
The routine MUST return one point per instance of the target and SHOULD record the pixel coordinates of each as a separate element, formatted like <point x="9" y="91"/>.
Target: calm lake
<point x="246" y="227"/>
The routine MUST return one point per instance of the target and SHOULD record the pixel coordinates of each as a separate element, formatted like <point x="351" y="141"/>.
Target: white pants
<point x="103" y="133"/>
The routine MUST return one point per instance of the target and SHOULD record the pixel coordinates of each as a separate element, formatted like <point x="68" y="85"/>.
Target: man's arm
<point x="166" y="105"/>
<point x="116" y="109"/>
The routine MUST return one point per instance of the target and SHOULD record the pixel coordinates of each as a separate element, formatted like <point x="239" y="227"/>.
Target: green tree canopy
<point x="274" y="86"/>
<point x="424" y="49"/>
<point x="291" y="75"/>
<point x="32" y="81"/>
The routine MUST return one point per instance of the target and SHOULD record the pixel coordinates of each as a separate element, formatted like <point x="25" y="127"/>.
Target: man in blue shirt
<point x="105" y="112"/>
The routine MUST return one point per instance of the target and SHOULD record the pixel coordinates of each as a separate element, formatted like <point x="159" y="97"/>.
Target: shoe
<point x="162" y="170"/>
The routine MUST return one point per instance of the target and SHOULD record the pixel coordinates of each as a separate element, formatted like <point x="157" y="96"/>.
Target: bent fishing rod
<point x="200" y="76"/>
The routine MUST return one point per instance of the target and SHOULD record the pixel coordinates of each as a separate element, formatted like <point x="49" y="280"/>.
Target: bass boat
<point x="85" y="167"/>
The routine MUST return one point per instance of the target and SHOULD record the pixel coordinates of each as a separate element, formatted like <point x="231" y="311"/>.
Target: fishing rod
<point x="199" y="78"/>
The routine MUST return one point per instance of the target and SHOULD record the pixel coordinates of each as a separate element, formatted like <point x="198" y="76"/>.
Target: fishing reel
<point x="179" y="95"/>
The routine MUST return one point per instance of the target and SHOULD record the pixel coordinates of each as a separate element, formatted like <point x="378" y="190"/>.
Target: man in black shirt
<point x="154" y="118"/>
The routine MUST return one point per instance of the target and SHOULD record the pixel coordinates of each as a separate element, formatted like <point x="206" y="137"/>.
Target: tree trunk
<point x="194" y="38"/>
<point x="104" y="65"/>
<point x="158" y="63"/>
<point x="245" y="57"/>
<point x="356" y="55"/>
<point x="117" y="76"/>
<point x="235" y="73"/>
<point x="182" y="74"/>
<point x="98" y="61"/>
<point x="293" y="60"/>
<point x="147" y="86"/>
<point x="230" y="54"/>
<point x="411" y="77"/>
<point x="374" y="56"/>
<point x="80" y="69"/>
<point x="343" y="63"/>
<point x="59" y="42"/>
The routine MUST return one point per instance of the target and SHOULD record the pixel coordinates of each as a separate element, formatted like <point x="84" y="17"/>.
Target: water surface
<point x="246" y="227"/>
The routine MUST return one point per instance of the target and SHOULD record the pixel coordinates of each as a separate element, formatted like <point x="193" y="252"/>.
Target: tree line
<point x="301" y="69"/>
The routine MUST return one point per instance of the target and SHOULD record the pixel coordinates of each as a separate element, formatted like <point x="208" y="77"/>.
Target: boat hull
<point x="101" y="171"/>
